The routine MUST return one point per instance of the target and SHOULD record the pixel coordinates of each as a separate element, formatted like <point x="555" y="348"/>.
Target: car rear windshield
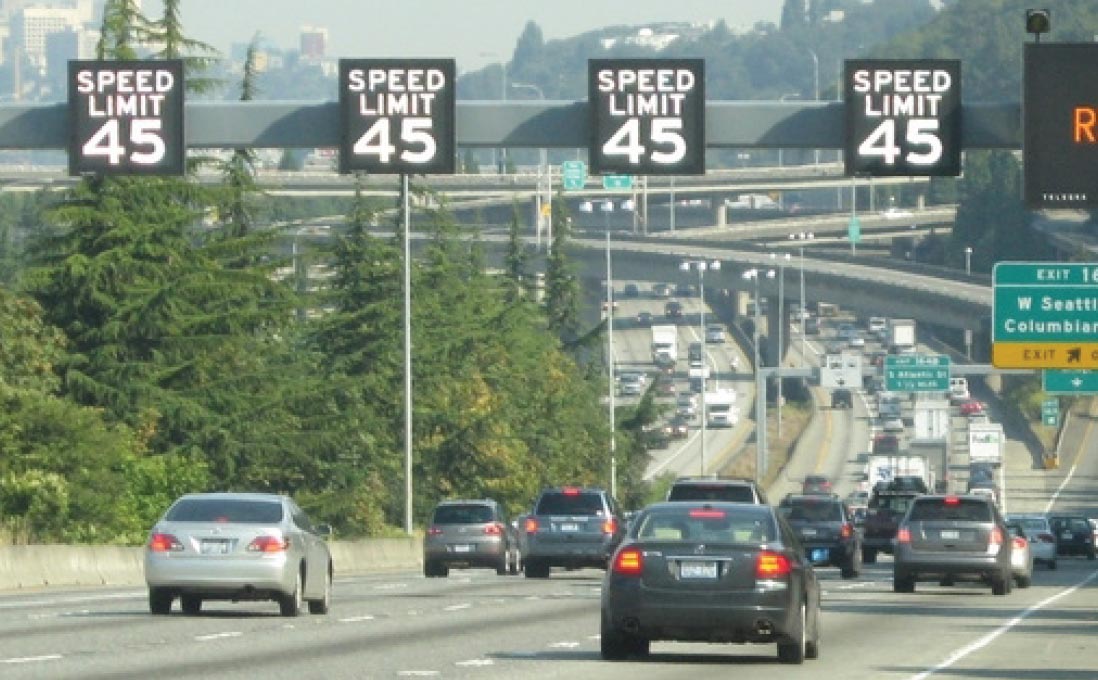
<point x="692" y="524"/>
<point x="225" y="510"/>
<point x="1071" y="523"/>
<point x="955" y="509"/>
<point x="1031" y="523"/>
<point x="894" y="504"/>
<point x="462" y="514"/>
<point x="570" y="504"/>
<point x="733" y="493"/>
<point x="806" y="510"/>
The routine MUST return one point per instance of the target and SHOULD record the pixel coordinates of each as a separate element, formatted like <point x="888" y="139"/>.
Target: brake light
<point x="903" y="535"/>
<point x="434" y="531"/>
<point x="531" y="525"/>
<point x="1019" y="542"/>
<point x="952" y="500"/>
<point x="494" y="529"/>
<point x="846" y="531"/>
<point x="570" y="491"/>
<point x="164" y="543"/>
<point x="610" y="526"/>
<point x="629" y="562"/>
<point x="772" y="565"/>
<point x="707" y="514"/>
<point x="268" y="544"/>
<point x="996" y="537"/>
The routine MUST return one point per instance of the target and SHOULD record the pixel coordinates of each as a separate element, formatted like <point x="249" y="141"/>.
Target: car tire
<point x="1000" y="585"/>
<point x="792" y="650"/>
<point x="160" y="601"/>
<point x="514" y="566"/>
<point x="903" y="583"/>
<point x="1052" y="564"/>
<point x="435" y="569"/>
<point x="191" y="604"/>
<point x="502" y="566"/>
<point x="946" y="582"/>
<point x="615" y="645"/>
<point x="322" y="605"/>
<point x="869" y="555"/>
<point x="290" y="604"/>
<point x="536" y="569"/>
<point x="852" y="567"/>
<point x="1022" y="581"/>
<point x="1091" y="555"/>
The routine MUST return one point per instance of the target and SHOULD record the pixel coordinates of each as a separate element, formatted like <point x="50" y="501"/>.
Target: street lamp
<point x="815" y="90"/>
<point x="785" y="97"/>
<point x="802" y="237"/>
<point x="782" y="262"/>
<point x="610" y="365"/>
<point x="543" y="165"/>
<point x="968" y="260"/>
<point x="760" y="384"/>
<point x="701" y="266"/>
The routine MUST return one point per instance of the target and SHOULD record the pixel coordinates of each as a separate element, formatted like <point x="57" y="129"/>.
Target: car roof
<point x="468" y="501"/>
<point x="235" y="495"/>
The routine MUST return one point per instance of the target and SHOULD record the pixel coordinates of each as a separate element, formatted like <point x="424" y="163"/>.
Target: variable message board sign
<point x="903" y="117"/>
<point x="1060" y="125"/>
<point x="397" y="116"/>
<point x="126" y="117"/>
<point x="647" y="116"/>
<point x="1044" y="315"/>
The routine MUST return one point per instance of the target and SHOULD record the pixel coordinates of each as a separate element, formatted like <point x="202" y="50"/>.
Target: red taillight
<point x="951" y="500"/>
<point x="269" y="544"/>
<point x="531" y="525"/>
<point x="494" y="529"/>
<point x="570" y="491"/>
<point x="707" y="514"/>
<point x="772" y="565"/>
<point x="434" y="531"/>
<point x="903" y="535"/>
<point x="996" y="537"/>
<point x="610" y="526"/>
<point x="629" y="562"/>
<point x="1019" y="542"/>
<point x="846" y="531"/>
<point x="164" y="543"/>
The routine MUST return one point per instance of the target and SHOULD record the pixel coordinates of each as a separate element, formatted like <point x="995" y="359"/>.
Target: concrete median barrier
<point x="36" y="566"/>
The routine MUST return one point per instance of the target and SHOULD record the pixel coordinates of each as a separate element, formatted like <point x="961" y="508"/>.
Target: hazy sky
<point x="474" y="32"/>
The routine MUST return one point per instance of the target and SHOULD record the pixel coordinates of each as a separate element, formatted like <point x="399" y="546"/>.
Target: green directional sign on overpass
<point x="617" y="181"/>
<point x="1070" y="382"/>
<point x="917" y="373"/>
<point x="573" y="175"/>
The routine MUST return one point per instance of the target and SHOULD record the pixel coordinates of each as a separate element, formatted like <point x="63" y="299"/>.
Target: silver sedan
<point x="237" y="546"/>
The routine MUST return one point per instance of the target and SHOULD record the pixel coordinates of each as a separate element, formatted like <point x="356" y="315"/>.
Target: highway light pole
<point x="543" y="167"/>
<point x="760" y="384"/>
<point x="801" y="238"/>
<point x="782" y="262"/>
<point x="968" y="260"/>
<point x="815" y="90"/>
<point x="610" y="364"/>
<point x="701" y="266"/>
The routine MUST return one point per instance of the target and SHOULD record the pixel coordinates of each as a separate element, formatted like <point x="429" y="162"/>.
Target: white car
<point x="1021" y="557"/>
<point x="893" y="424"/>
<point x="1042" y="540"/>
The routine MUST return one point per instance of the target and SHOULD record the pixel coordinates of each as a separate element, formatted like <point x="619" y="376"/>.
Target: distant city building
<point x="314" y="43"/>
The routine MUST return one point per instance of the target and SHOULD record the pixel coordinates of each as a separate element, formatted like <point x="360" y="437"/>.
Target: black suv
<point x="882" y="518"/>
<point x="570" y="527"/>
<point x="731" y="489"/>
<point x="825" y="526"/>
<point x="842" y="398"/>
<point x="1074" y="535"/>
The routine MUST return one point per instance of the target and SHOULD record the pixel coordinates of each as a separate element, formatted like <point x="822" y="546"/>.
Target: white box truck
<point x="931" y="420"/>
<point x="901" y="336"/>
<point x="985" y="443"/>
<point x="665" y="343"/>
<point x="880" y="470"/>
<point x="721" y="409"/>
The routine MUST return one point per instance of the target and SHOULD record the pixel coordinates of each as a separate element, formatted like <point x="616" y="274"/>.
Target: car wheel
<point x="793" y="649"/>
<point x="290" y="604"/>
<point x="852" y="567"/>
<point x="514" y="569"/>
<point x="1052" y="564"/>
<point x="502" y="565"/>
<point x="160" y="601"/>
<point x="1090" y="555"/>
<point x="812" y="647"/>
<point x="903" y="583"/>
<point x="946" y="582"/>
<point x="1000" y="585"/>
<point x="869" y="555"/>
<point x="536" y="569"/>
<point x="613" y="644"/>
<point x="1022" y="581"/>
<point x="322" y="605"/>
<point x="191" y="604"/>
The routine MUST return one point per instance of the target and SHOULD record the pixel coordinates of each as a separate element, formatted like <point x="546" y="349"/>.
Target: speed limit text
<point x="646" y="92"/>
<point x="395" y="91"/>
<point x="133" y="93"/>
<point x="902" y="92"/>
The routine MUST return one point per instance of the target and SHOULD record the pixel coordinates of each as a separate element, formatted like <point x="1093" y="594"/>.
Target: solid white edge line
<point x="1059" y="489"/>
<point x="990" y="637"/>
<point x="32" y="659"/>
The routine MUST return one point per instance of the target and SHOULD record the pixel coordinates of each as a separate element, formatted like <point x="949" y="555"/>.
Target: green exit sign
<point x="917" y="373"/>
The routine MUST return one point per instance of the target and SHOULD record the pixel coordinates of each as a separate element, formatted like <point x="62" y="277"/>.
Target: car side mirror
<point x="324" y="530"/>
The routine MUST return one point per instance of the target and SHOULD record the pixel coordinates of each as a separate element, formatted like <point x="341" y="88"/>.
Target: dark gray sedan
<point x="710" y="572"/>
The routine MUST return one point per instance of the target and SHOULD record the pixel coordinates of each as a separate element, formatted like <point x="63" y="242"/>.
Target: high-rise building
<point x="314" y="42"/>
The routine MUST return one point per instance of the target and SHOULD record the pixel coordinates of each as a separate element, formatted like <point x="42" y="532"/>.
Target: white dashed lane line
<point x="218" y="636"/>
<point x="31" y="659"/>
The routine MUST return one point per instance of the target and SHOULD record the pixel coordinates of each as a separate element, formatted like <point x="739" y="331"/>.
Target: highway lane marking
<point x="475" y="662"/>
<point x="563" y="645"/>
<point x="1071" y="472"/>
<point x="219" y="636"/>
<point x="826" y="439"/>
<point x="65" y="600"/>
<point x="418" y="674"/>
<point x="993" y="635"/>
<point x="457" y="607"/>
<point x="356" y="619"/>
<point x="31" y="659"/>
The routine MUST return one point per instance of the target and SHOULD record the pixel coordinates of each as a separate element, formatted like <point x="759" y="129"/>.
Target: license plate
<point x="698" y="570"/>
<point x="808" y="532"/>
<point x="1068" y="535"/>
<point x="215" y="547"/>
<point x="949" y="534"/>
<point x="569" y="527"/>
<point x="819" y="555"/>
<point x="463" y="548"/>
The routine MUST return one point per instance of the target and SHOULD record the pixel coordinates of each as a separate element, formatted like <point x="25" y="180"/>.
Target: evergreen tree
<point x="562" y="290"/>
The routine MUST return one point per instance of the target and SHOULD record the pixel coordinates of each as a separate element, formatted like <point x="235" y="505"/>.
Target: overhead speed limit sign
<point x="397" y="115"/>
<point x="126" y="117"/>
<point x="647" y="116"/>
<point x="903" y="117"/>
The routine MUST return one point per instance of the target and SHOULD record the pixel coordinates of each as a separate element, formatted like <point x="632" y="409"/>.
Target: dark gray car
<point x="710" y="572"/>
<point x="826" y="528"/>
<point x="570" y="527"/>
<point x="469" y="533"/>
<point x="952" y="538"/>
